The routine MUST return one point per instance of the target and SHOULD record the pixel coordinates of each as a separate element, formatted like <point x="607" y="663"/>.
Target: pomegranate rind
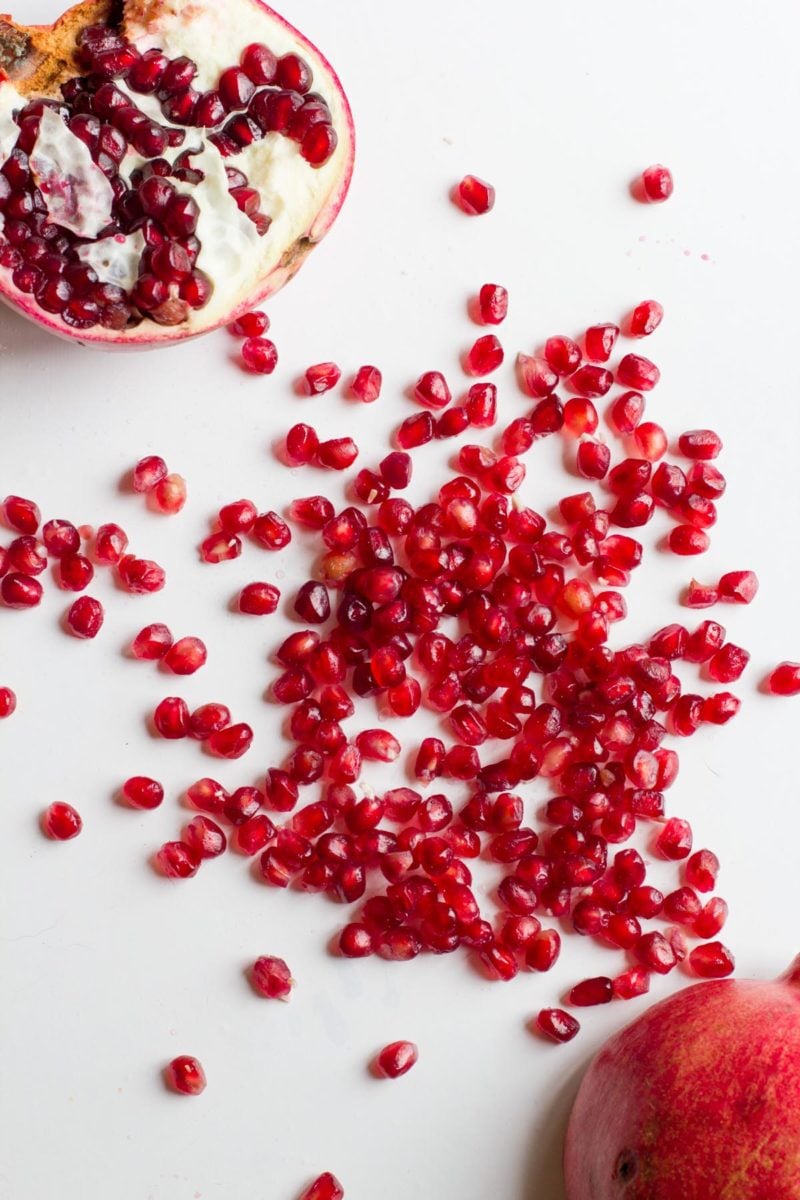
<point x="37" y="59"/>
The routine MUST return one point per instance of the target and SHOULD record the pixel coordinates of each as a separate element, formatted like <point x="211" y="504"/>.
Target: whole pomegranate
<point x="164" y="166"/>
<point x="699" y="1099"/>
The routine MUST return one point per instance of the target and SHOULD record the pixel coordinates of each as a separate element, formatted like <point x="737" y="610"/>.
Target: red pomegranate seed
<point x="650" y="441"/>
<point x="185" y="656"/>
<point x="169" y="494"/>
<point x="536" y="375"/>
<point x="337" y="454"/>
<point x="171" y="718"/>
<point x="432" y="391"/>
<point x="258" y="599"/>
<point x="152" y="642"/>
<point x="85" y="617"/>
<point x="231" y="742"/>
<point x="702" y="869"/>
<point x="302" y="444"/>
<point x="631" y="983"/>
<point x="148" y="472"/>
<point x="657" y="183"/>
<point x="141" y="792"/>
<point x="254" y="834"/>
<point x="397" y="469"/>
<point x="697" y="595"/>
<point x="75" y="572"/>
<point x="627" y="411"/>
<point x="321" y="378"/>
<point x="185" y="1075"/>
<point x="378" y="745"/>
<point x="599" y="341"/>
<point x="593" y="459"/>
<point x="474" y="196"/>
<point x="396" y="1059"/>
<point x="785" y="680"/>
<point x="701" y="444"/>
<point x="250" y="324"/>
<point x="646" y="318"/>
<point x="259" y="355"/>
<point x="20" y="591"/>
<point x="20" y="514"/>
<point x="271" y="531"/>
<point x="720" y="708"/>
<point x="177" y="860"/>
<point x="61" y="822"/>
<point x="493" y="304"/>
<point x="205" y="837"/>
<point x="272" y="978"/>
<point x="686" y="540"/>
<point x="366" y="385"/>
<point x="220" y="547"/>
<point x="110" y="544"/>
<point x="675" y="840"/>
<point x="8" y="702"/>
<point x="140" y="575"/>
<point x="738" y="586"/>
<point x="238" y="517"/>
<point x="591" y="991"/>
<point x="557" y="1024"/>
<point x="712" y="918"/>
<point x="580" y="416"/>
<point x="591" y="381"/>
<point x="415" y="431"/>
<point x="485" y="356"/>
<point x="655" y="953"/>
<point x="207" y="719"/>
<point x="26" y="555"/>
<point x="728" y="664"/>
<point x="60" y="537"/>
<point x="638" y="373"/>
<point x="543" y="950"/>
<point x="326" y="1187"/>
<point x="562" y="354"/>
<point x="208" y="796"/>
<point x="481" y="405"/>
<point x="712" y="960"/>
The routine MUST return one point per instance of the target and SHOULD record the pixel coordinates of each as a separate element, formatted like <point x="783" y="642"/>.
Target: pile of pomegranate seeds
<point x="261" y="96"/>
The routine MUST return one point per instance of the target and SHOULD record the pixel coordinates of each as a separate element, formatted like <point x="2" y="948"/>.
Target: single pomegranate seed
<point x="169" y="494"/>
<point x="272" y="978"/>
<point x="397" y="469"/>
<point x="26" y="555"/>
<point x="712" y="918"/>
<point x="785" y="680"/>
<point x="698" y="595"/>
<point x="638" y="373"/>
<point x="563" y="355"/>
<point x="61" y="822"/>
<point x="259" y="355"/>
<point x="728" y="664"/>
<point x="481" y="405"/>
<point x="110" y="544"/>
<point x="650" y="441"/>
<point x="171" y="718"/>
<point x="355" y="941"/>
<point x="675" y="840"/>
<point x="432" y="391"/>
<point x="326" y="1187"/>
<point x="148" y="472"/>
<point x="415" y="431"/>
<point x="85" y="617"/>
<point x="338" y="453"/>
<point x="593" y="459"/>
<point x="702" y="870"/>
<point x="712" y="961"/>
<point x="543" y="950"/>
<point x="207" y="719"/>
<point x="60" y="537"/>
<point x="485" y="356"/>
<point x="493" y="304"/>
<point x="686" y="540"/>
<point x="657" y="184"/>
<point x="141" y="792"/>
<point x="591" y="381"/>
<point x="231" y="742"/>
<point x="557" y="1024"/>
<point x="271" y="531"/>
<point x="140" y="575"/>
<point x="220" y="547"/>
<point x="177" y="860"/>
<point x="702" y="444"/>
<point x="592" y="991"/>
<point x="321" y="378"/>
<point x="185" y="656"/>
<point x="152" y="642"/>
<point x="536" y="376"/>
<point x="205" y="837"/>
<point x="250" y="324"/>
<point x="599" y="341"/>
<point x="75" y="572"/>
<point x="238" y="517"/>
<point x="738" y="586"/>
<point x="366" y="385"/>
<point x="258" y="599"/>
<point x="8" y="702"/>
<point x="20" y="514"/>
<point x="720" y="708"/>
<point x="580" y="416"/>
<point x="627" y="411"/>
<point x="396" y="1059"/>
<point x="655" y="953"/>
<point x="474" y="196"/>
<point x="646" y="318"/>
<point x="185" y="1075"/>
<point x="20" y="591"/>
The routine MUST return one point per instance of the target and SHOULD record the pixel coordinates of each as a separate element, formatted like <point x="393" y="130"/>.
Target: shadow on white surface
<point x="543" y="1177"/>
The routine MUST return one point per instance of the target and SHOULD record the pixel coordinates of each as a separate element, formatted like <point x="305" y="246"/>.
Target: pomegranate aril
<point x="366" y="385"/>
<point x="85" y="617"/>
<point x="557" y="1024"/>
<point x="169" y="494"/>
<point x="657" y="183"/>
<point x="140" y="575"/>
<point x="627" y="411"/>
<point x="599" y="341"/>
<point x="185" y="656"/>
<point x="593" y="459"/>
<point x="60" y="537"/>
<point x="720" y="708"/>
<point x="592" y="991"/>
<point x="396" y="1059"/>
<point x="259" y="355"/>
<point x="171" y="717"/>
<point x="271" y="531"/>
<point x="591" y="381"/>
<point x="675" y="839"/>
<point x="738" y="586"/>
<point x="474" y="196"/>
<point x="20" y="514"/>
<point x="8" y="702"/>
<point x="205" y="837"/>
<point x="485" y="356"/>
<point x="148" y="472"/>
<point x="326" y="1187"/>
<point x="152" y="642"/>
<point x="711" y="919"/>
<point x="493" y="304"/>
<point x="645" y="318"/>
<point x="337" y="454"/>
<point x="580" y="416"/>
<point x="258" y="599"/>
<point x="238" y="517"/>
<point x="20" y="591"/>
<point x="207" y="719"/>
<point x="231" y="742"/>
<point x="543" y="950"/>
<point x="784" y="680"/>
<point x="61" y="822"/>
<point x="562" y="354"/>
<point x="702" y="444"/>
<point x="185" y="1075"/>
<point x="322" y="377"/>
<point x="110" y="544"/>
<point x="638" y="373"/>
<point x="712" y="960"/>
<point x="432" y="391"/>
<point x="698" y="595"/>
<point x="728" y="664"/>
<point x="272" y="978"/>
<point x="686" y="540"/>
<point x="631" y="983"/>
<point x="141" y="792"/>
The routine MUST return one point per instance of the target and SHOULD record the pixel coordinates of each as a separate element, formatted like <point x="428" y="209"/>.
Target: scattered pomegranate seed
<point x="474" y="196"/>
<point x="185" y="1075"/>
<point x="272" y="978"/>
<point x="697" y="595"/>
<point x="251" y="324"/>
<point x="238" y="517"/>
<point x="140" y="575"/>
<point x="205" y="837"/>
<point x="397" y="1059"/>
<point x="712" y="918"/>
<point x="557" y="1024"/>
<point x="657" y="183"/>
<point x="431" y="390"/>
<point x="326" y="1187"/>
<point x="171" y="718"/>
<point x="785" y="680"/>
<point x="592" y="991"/>
<point x="258" y="599"/>
<point x="75" y="572"/>
<point x="8" y="702"/>
<point x="177" y="860"/>
<point x="366" y="385"/>
<point x="85" y="617"/>
<point x="169" y="494"/>
<point x="110" y="544"/>
<point x="485" y="356"/>
<point x="599" y="341"/>
<point x="537" y="377"/>
<point x="152" y="642"/>
<point x="148" y="472"/>
<point x="231" y="742"/>
<point x="675" y="840"/>
<point x="738" y="586"/>
<point x="60" y="537"/>
<point x="20" y="591"/>
<point x="20" y="514"/>
<point x="686" y="540"/>
<point x="259" y="355"/>
<point x="493" y="304"/>
<point x="631" y="983"/>
<point x="321" y="378"/>
<point x="220" y="547"/>
<point x="61" y="822"/>
<point x="646" y="318"/>
<point x="185" y="656"/>
<point x="712" y="960"/>
<point x="702" y="870"/>
<point x="638" y="373"/>
<point x="141" y="792"/>
<point x="627" y="411"/>
<point x="337" y="454"/>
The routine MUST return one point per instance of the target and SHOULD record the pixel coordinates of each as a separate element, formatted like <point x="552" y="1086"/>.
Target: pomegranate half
<point x="164" y="165"/>
<point x="698" y="1099"/>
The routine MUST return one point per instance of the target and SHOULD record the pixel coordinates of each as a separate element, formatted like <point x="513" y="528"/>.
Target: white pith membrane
<point x="243" y="264"/>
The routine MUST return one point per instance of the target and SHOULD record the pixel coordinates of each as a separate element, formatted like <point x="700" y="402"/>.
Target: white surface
<point x="108" y="971"/>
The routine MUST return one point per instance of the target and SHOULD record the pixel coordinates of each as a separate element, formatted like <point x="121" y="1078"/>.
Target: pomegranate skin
<point x="698" y="1099"/>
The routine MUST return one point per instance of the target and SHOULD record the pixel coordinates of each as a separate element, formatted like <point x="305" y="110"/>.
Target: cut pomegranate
<point x="61" y="822"/>
<point x="134" y="257"/>
<point x="185" y="1075"/>
<point x="272" y="978"/>
<point x="474" y="196"/>
<point x="657" y="183"/>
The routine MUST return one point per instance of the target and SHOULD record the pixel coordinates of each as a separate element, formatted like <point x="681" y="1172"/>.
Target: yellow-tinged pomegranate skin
<point x="698" y="1099"/>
